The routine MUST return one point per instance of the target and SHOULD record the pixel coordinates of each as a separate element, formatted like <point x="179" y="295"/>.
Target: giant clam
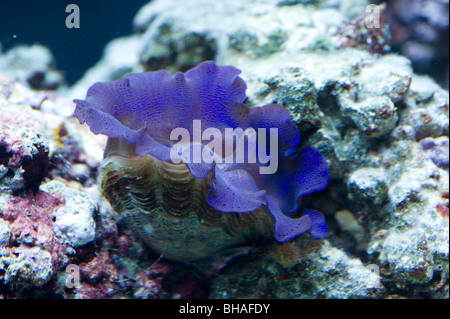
<point x="189" y="207"/>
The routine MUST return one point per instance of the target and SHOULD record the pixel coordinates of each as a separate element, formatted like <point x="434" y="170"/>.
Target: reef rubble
<point x="382" y="128"/>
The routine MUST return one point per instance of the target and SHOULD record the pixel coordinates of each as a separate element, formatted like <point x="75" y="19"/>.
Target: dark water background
<point x="75" y="50"/>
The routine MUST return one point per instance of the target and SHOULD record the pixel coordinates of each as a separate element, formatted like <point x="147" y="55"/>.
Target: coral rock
<point x="24" y="153"/>
<point x="31" y="65"/>
<point x="32" y="266"/>
<point x="437" y="149"/>
<point x="74" y="222"/>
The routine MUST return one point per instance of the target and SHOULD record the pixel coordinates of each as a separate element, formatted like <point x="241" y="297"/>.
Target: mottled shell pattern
<point x="166" y="206"/>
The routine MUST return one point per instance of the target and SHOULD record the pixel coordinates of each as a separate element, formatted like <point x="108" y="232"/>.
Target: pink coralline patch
<point x="100" y="290"/>
<point x="98" y="276"/>
<point x="4" y="78"/>
<point x="31" y="222"/>
<point x="362" y="32"/>
<point x="21" y="118"/>
<point x="11" y="150"/>
<point x="443" y="210"/>
<point x="100" y="267"/>
<point x="149" y="281"/>
<point x="123" y="244"/>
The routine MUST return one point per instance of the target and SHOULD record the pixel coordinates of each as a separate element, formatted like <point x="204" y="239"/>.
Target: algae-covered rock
<point x="314" y="270"/>
<point x="40" y="225"/>
<point x="5" y="233"/>
<point x="382" y="128"/>
<point x="28" y="266"/>
<point x="362" y="107"/>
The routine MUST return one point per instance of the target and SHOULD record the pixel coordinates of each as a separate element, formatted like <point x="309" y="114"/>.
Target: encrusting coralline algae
<point x="382" y="128"/>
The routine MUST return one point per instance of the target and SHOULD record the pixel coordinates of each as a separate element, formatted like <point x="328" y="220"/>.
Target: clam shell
<point x="165" y="205"/>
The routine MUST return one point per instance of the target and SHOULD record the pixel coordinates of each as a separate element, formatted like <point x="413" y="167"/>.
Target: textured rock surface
<point x="24" y="156"/>
<point x="365" y="112"/>
<point x="31" y="65"/>
<point x="40" y="225"/>
<point x="33" y="251"/>
<point x="290" y="271"/>
<point x="382" y="128"/>
<point x="73" y="223"/>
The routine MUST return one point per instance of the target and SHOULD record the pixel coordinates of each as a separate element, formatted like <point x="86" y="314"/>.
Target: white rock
<point x="74" y="222"/>
<point x="5" y="233"/>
